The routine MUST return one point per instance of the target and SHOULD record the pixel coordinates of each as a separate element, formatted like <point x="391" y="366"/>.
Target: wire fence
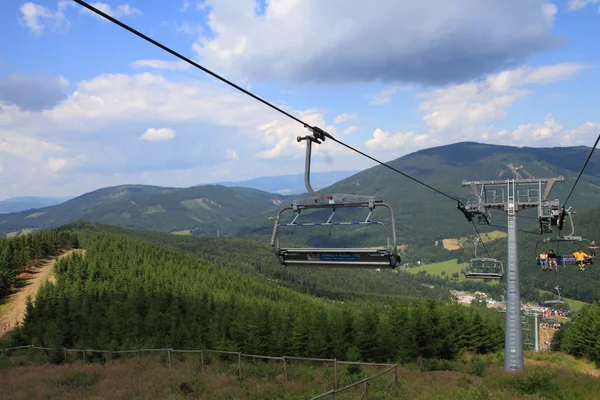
<point x="337" y="378"/>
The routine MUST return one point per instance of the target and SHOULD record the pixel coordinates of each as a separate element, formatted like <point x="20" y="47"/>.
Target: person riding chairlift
<point x="552" y="261"/>
<point x="544" y="260"/>
<point x="580" y="258"/>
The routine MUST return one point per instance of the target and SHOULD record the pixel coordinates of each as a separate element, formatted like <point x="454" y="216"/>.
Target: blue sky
<point x="85" y="104"/>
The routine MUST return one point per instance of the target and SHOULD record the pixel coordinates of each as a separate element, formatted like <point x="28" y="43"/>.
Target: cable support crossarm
<point x="582" y="169"/>
<point x="318" y="133"/>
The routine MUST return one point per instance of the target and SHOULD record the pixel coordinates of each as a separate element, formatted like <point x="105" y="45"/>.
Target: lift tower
<point x="512" y="196"/>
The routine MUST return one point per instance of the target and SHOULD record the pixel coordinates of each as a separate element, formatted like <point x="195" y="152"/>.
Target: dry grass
<point x="547" y="375"/>
<point x="151" y="378"/>
<point x="455" y="244"/>
<point x="451" y="244"/>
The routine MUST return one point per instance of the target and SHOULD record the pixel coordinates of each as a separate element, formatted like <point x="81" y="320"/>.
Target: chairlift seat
<point x="338" y="257"/>
<point x="483" y="268"/>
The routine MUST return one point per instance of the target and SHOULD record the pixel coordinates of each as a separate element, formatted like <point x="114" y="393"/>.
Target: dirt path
<point x="13" y="309"/>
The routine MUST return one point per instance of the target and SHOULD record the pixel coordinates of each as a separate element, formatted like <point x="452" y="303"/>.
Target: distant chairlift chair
<point x="482" y="267"/>
<point x="372" y="257"/>
<point x="557" y="301"/>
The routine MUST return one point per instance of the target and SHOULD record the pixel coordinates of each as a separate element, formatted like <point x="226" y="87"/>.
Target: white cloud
<point x="385" y="96"/>
<point x="232" y="155"/>
<point x="123" y="10"/>
<point x="91" y="129"/>
<point x="430" y="41"/>
<point x="344" y="117"/>
<point x="535" y="132"/>
<point x="160" y="64"/>
<point x="470" y="106"/>
<point x="550" y="132"/>
<point x="161" y="134"/>
<point x="28" y="148"/>
<point x="351" y="129"/>
<point x="184" y="6"/>
<point x="573" y="5"/>
<point x="36" y="17"/>
<point x="56" y="164"/>
<point x="190" y="29"/>
<point x="382" y="140"/>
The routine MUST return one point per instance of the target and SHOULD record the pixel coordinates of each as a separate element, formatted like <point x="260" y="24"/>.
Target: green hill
<point x="202" y="210"/>
<point x="424" y="216"/>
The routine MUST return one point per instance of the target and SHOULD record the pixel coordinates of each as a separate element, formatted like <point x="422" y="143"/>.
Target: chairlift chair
<point x="483" y="267"/>
<point x="337" y="257"/>
<point x="557" y="301"/>
<point x="566" y="259"/>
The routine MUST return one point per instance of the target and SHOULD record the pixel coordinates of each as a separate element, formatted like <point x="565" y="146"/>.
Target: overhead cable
<point x="265" y="102"/>
<point x="582" y="169"/>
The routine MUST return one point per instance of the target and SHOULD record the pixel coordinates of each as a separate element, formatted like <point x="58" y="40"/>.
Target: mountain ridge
<point x="422" y="215"/>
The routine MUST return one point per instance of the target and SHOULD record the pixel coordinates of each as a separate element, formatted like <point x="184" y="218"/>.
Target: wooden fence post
<point x="366" y="395"/>
<point x="332" y="395"/>
<point x="240" y="365"/>
<point x="395" y="382"/>
<point x="84" y="359"/>
<point x="284" y="369"/>
<point x="65" y="354"/>
<point x="139" y="355"/>
<point x="107" y="354"/>
<point x="202" y="359"/>
<point x="335" y="380"/>
<point x="169" y="356"/>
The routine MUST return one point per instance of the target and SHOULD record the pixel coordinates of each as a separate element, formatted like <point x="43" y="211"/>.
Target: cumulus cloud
<point x="232" y="155"/>
<point x="37" y="17"/>
<point x="351" y="129"/>
<point x="573" y="5"/>
<point x="583" y="134"/>
<point x="190" y="29"/>
<point x="344" y="117"/>
<point x="471" y="105"/>
<point x="548" y="132"/>
<point x="160" y="64"/>
<point x="160" y="134"/>
<point x="383" y="140"/>
<point x="88" y="135"/>
<point x="56" y="164"/>
<point x="385" y="96"/>
<point x="32" y="93"/>
<point x="123" y="10"/>
<point x="430" y="41"/>
<point x="535" y="132"/>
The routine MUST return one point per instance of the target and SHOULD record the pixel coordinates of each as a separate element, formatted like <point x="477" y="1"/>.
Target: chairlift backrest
<point x="338" y="257"/>
<point x="482" y="267"/>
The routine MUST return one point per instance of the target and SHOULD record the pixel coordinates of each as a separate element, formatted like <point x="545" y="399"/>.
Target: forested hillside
<point x="257" y="258"/>
<point x="128" y="294"/>
<point x="203" y="209"/>
<point x="580" y="338"/>
<point x="18" y="254"/>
